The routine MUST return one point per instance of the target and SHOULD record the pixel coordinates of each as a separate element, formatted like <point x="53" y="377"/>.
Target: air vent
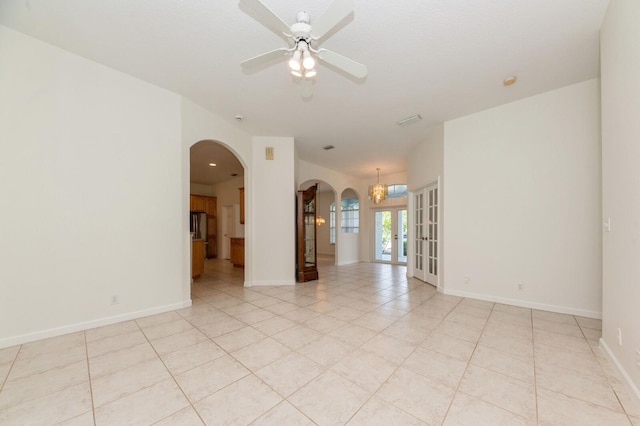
<point x="328" y="147"/>
<point x="409" y="120"/>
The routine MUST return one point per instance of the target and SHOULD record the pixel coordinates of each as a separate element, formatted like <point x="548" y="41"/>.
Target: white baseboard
<point x="633" y="389"/>
<point x="86" y="325"/>
<point x="525" y="304"/>
<point x="347" y="262"/>
<point x="269" y="282"/>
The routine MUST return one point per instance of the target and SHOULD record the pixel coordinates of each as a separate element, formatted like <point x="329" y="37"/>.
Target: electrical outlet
<point x="638" y="358"/>
<point x="521" y="287"/>
<point x="467" y="279"/>
<point x="115" y="300"/>
<point x="619" y="337"/>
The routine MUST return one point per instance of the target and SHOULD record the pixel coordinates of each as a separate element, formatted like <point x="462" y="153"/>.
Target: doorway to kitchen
<point x="390" y="235"/>
<point x="217" y="179"/>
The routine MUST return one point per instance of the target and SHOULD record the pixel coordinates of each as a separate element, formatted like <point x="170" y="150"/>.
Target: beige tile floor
<point x="363" y="345"/>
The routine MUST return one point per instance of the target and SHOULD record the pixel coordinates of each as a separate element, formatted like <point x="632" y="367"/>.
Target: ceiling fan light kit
<point x="301" y="35"/>
<point x="302" y="60"/>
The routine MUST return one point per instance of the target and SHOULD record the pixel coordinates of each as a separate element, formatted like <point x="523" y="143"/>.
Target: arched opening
<point x="326" y="245"/>
<point x="347" y="226"/>
<point x="216" y="213"/>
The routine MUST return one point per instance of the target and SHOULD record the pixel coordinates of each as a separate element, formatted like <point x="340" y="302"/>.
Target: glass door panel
<point x="390" y="239"/>
<point x="401" y="236"/>
<point x="382" y="240"/>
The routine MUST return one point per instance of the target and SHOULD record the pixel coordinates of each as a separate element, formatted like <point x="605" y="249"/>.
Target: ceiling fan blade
<point x="264" y="58"/>
<point x="336" y="12"/>
<point x="347" y="65"/>
<point x="266" y="16"/>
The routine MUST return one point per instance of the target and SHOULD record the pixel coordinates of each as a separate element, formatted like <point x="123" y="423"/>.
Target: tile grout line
<point x="535" y="375"/>
<point x="86" y="353"/>
<point x="373" y="394"/>
<point x="624" y="410"/>
<point x="13" y="362"/>
<point x="171" y="375"/>
<point x="457" y="389"/>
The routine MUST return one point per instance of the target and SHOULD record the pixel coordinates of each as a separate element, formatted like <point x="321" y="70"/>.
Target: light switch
<point x="607" y="225"/>
<point x="268" y="153"/>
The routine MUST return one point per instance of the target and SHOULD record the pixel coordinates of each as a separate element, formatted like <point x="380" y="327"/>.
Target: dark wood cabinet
<point x="237" y="252"/>
<point x="197" y="258"/>
<point x="212" y="227"/>
<point x="208" y="205"/>
<point x="197" y="203"/>
<point x="241" y="204"/>
<point x="306" y="257"/>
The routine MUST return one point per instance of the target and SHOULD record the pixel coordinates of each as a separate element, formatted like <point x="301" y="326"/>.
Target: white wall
<point x="89" y="172"/>
<point x="324" y="201"/>
<point x="426" y="160"/>
<point x="199" y="124"/>
<point x="349" y="242"/>
<point x="523" y="202"/>
<point x="620" y="61"/>
<point x="425" y="167"/>
<point x="273" y="193"/>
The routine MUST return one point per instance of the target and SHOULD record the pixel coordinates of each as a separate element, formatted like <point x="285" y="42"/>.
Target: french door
<point x="390" y="242"/>
<point x="426" y="234"/>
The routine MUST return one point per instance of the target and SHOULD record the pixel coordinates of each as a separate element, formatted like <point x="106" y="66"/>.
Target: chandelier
<point x="378" y="192"/>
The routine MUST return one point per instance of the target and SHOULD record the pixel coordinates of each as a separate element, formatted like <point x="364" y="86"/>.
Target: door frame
<point x="439" y="240"/>
<point x="394" y="224"/>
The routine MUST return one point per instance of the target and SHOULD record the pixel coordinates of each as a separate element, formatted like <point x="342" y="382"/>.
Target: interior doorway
<point x="216" y="176"/>
<point x="427" y="234"/>
<point x="227" y="231"/>
<point x="390" y="236"/>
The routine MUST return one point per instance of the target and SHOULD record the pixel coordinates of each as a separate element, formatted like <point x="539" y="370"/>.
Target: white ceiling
<point x="441" y="59"/>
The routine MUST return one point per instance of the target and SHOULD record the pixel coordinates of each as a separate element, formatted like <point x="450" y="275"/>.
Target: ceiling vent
<point x="409" y="120"/>
<point x="328" y="147"/>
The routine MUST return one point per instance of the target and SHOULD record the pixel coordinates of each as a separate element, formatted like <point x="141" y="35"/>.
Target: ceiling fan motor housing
<point x="301" y="30"/>
<point x="303" y="17"/>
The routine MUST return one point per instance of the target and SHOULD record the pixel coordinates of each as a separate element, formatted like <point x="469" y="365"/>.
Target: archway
<point x="325" y="240"/>
<point x="216" y="213"/>
<point x="349" y="224"/>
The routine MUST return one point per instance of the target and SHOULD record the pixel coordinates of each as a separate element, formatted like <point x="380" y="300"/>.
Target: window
<point x="350" y="218"/>
<point x="332" y="223"/>
<point x="396" y="190"/>
<point x="350" y="215"/>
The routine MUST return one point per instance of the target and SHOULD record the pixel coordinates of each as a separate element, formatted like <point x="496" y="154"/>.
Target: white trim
<point x="526" y="304"/>
<point x="81" y="326"/>
<point x="633" y="389"/>
<point x="268" y="282"/>
<point x="347" y="262"/>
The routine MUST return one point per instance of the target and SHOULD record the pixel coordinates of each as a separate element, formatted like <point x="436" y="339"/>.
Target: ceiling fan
<point x="303" y="37"/>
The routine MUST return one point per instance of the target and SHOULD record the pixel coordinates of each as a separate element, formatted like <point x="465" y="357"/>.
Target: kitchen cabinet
<point x="212" y="227"/>
<point x="237" y="252"/>
<point x="197" y="258"/>
<point x="197" y="203"/>
<point x="241" y="205"/>
<point x="208" y="205"/>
